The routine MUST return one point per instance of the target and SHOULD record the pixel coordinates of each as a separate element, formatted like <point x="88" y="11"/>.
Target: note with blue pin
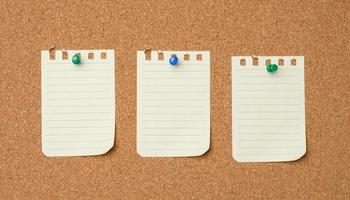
<point x="173" y="103"/>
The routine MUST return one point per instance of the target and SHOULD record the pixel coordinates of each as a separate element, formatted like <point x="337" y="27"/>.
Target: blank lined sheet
<point x="78" y="103"/>
<point x="173" y="103"/>
<point x="268" y="109"/>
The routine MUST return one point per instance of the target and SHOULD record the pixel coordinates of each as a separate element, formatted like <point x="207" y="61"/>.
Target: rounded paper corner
<point x="203" y="151"/>
<point x="46" y="153"/>
<point x="106" y="150"/>
<point x="299" y="155"/>
<point x="140" y="153"/>
<point x="236" y="158"/>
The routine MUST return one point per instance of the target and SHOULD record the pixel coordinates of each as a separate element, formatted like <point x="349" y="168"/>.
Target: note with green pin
<point x="268" y="111"/>
<point x="78" y="102"/>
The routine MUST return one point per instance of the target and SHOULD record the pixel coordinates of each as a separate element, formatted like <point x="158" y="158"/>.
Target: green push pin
<point x="271" y="68"/>
<point x="76" y="59"/>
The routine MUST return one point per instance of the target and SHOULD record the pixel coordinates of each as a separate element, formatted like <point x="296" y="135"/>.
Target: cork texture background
<point x="318" y="30"/>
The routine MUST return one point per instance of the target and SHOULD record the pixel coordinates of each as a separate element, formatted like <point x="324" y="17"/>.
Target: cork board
<point x="319" y="30"/>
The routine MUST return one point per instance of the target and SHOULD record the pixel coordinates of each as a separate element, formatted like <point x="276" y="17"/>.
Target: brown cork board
<point x="318" y="30"/>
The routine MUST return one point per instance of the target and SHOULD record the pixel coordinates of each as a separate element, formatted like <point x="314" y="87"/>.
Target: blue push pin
<point x="174" y="60"/>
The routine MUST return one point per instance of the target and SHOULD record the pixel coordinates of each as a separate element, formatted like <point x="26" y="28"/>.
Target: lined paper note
<point x="268" y="109"/>
<point x="78" y="103"/>
<point x="173" y="104"/>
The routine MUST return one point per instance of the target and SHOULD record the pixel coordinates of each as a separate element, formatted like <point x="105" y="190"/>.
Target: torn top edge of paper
<point x="78" y="102"/>
<point x="173" y="103"/>
<point x="268" y="113"/>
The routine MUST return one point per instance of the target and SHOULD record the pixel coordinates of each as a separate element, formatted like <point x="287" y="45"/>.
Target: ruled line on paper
<point x="70" y="120"/>
<point x="264" y="119"/>
<point x="177" y="86"/>
<point x="172" y="149"/>
<point x="263" y="76"/>
<point x="74" y="127"/>
<point x="77" y="84"/>
<point x="268" y="140"/>
<point x="75" y="70"/>
<point x="269" y="104"/>
<point x="78" y="134"/>
<point x="169" y="78"/>
<point x="173" y="120"/>
<point x="172" y="142"/>
<point x="170" y="128"/>
<point x="76" y="98"/>
<point x="276" y="111"/>
<point x="269" y="148"/>
<point x="77" y="141"/>
<point x="268" y="132"/>
<point x="77" y="105"/>
<point x="266" y="90"/>
<point x="172" y="135"/>
<point x="174" y="92"/>
<point x="173" y="107"/>
<point x="268" y="111"/>
<point x="77" y="148"/>
<point x="166" y="71"/>
<point x="79" y="91"/>
<point x="268" y="154"/>
<point x="76" y="77"/>
<point x="280" y="97"/>
<point x="173" y="99"/>
<point x="264" y="83"/>
<point x="269" y="126"/>
<point x="69" y="113"/>
<point x="183" y="114"/>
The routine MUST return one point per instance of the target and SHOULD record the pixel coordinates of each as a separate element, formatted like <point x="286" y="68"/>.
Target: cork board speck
<point x="318" y="30"/>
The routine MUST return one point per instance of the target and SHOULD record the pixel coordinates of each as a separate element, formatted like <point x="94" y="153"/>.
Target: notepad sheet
<point x="173" y="104"/>
<point x="268" y="109"/>
<point x="78" y="103"/>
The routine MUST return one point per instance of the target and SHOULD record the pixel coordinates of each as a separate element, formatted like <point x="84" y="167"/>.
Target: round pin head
<point x="271" y="68"/>
<point x="76" y="59"/>
<point x="174" y="60"/>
